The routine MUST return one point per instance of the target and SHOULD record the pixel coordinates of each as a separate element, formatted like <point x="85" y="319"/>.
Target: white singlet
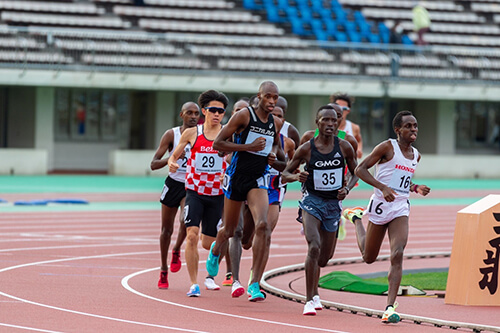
<point x="180" y="174"/>
<point x="397" y="174"/>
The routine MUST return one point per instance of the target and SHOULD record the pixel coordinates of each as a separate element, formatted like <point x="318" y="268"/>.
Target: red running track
<point x="97" y="272"/>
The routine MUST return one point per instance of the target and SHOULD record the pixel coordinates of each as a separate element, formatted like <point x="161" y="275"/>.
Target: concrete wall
<point x="133" y="163"/>
<point x="23" y="161"/>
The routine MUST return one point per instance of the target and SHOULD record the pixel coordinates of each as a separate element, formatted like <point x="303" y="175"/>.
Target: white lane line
<point x="29" y="328"/>
<point x="126" y="285"/>
<point x="71" y="247"/>
<point x="86" y="313"/>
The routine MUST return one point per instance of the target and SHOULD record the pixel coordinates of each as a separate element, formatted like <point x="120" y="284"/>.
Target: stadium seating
<point x="334" y="37"/>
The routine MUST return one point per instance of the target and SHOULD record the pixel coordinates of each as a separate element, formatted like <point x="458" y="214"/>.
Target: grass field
<point x="423" y="281"/>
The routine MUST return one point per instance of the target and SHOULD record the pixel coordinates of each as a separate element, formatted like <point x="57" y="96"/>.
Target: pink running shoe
<point x="175" y="264"/>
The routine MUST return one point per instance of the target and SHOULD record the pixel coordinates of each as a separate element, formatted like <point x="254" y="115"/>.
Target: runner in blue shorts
<point x="323" y="179"/>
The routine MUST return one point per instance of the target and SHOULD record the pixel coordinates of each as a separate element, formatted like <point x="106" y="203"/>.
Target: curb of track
<point x="367" y="311"/>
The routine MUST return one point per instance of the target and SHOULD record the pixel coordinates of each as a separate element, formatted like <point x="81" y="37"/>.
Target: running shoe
<point x="342" y="230"/>
<point x="390" y="315"/>
<point x="194" y="291"/>
<point x="212" y="262"/>
<point x="229" y="280"/>
<point x="317" y="303"/>
<point x="237" y="289"/>
<point x="175" y="264"/>
<point x="255" y="294"/>
<point x="163" y="281"/>
<point x="351" y="213"/>
<point x="309" y="309"/>
<point x="210" y="284"/>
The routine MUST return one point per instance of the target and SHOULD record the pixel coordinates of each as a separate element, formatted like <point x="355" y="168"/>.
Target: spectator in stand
<point x="421" y="22"/>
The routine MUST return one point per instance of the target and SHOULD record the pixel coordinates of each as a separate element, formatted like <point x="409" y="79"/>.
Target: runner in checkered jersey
<point x="204" y="198"/>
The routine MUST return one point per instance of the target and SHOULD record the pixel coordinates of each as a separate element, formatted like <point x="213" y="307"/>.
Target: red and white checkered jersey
<point x="204" y="167"/>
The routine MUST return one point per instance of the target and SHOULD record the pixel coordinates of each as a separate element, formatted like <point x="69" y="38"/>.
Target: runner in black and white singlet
<point x="173" y="193"/>
<point x="389" y="207"/>
<point x="324" y="188"/>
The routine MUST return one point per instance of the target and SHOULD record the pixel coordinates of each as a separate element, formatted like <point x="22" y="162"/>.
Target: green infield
<point x="424" y="280"/>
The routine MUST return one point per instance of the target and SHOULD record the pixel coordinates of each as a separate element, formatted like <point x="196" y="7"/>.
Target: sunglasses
<point x="215" y="109"/>
<point x="344" y="108"/>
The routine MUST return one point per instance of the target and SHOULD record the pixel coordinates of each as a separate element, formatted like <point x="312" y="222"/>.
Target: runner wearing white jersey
<point x="173" y="193"/>
<point x="389" y="207"/>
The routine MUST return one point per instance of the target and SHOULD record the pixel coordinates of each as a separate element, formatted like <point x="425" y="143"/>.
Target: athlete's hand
<point x="271" y="158"/>
<point x="342" y="193"/>
<point x="303" y="176"/>
<point x="423" y="190"/>
<point x="258" y="145"/>
<point x="172" y="166"/>
<point x="389" y="194"/>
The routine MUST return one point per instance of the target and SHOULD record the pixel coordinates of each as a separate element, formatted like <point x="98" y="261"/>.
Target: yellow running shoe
<point x="352" y="213"/>
<point x="390" y="315"/>
<point x="342" y="230"/>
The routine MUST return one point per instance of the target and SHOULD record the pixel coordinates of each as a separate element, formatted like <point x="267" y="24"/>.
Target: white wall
<point x="88" y="156"/>
<point x="23" y="161"/>
<point x="133" y="163"/>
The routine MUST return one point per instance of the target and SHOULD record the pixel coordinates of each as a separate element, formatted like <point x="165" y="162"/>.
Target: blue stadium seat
<point x="305" y="13"/>
<point x="354" y="36"/>
<point x="331" y="26"/>
<point x="273" y="16"/>
<point x="299" y="27"/>
<point x="283" y="4"/>
<point x="340" y="36"/>
<point x="384" y="32"/>
<point x="373" y="38"/>
<point x="251" y="4"/>
<point x="320" y="35"/>
<point x="350" y="26"/>
<point x="407" y="40"/>
<point x="335" y="4"/>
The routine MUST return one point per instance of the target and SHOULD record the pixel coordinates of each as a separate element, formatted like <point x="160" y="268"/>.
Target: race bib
<point x="208" y="163"/>
<point x="252" y="136"/>
<point x="400" y="181"/>
<point x="182" y="162"/>
<point x="327" y="180"/>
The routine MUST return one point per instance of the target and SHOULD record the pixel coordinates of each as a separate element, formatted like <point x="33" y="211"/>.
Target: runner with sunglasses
<point x="345" y="102"/>
<point x="204" y="198"/>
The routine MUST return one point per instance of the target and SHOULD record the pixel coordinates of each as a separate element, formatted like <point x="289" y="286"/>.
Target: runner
<point x="204" y="198"/>
<point x="389" y="206"/>
<point x="323" y="181"/>
<point x="174" y="193"/>
<point x="255" y="146"/>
